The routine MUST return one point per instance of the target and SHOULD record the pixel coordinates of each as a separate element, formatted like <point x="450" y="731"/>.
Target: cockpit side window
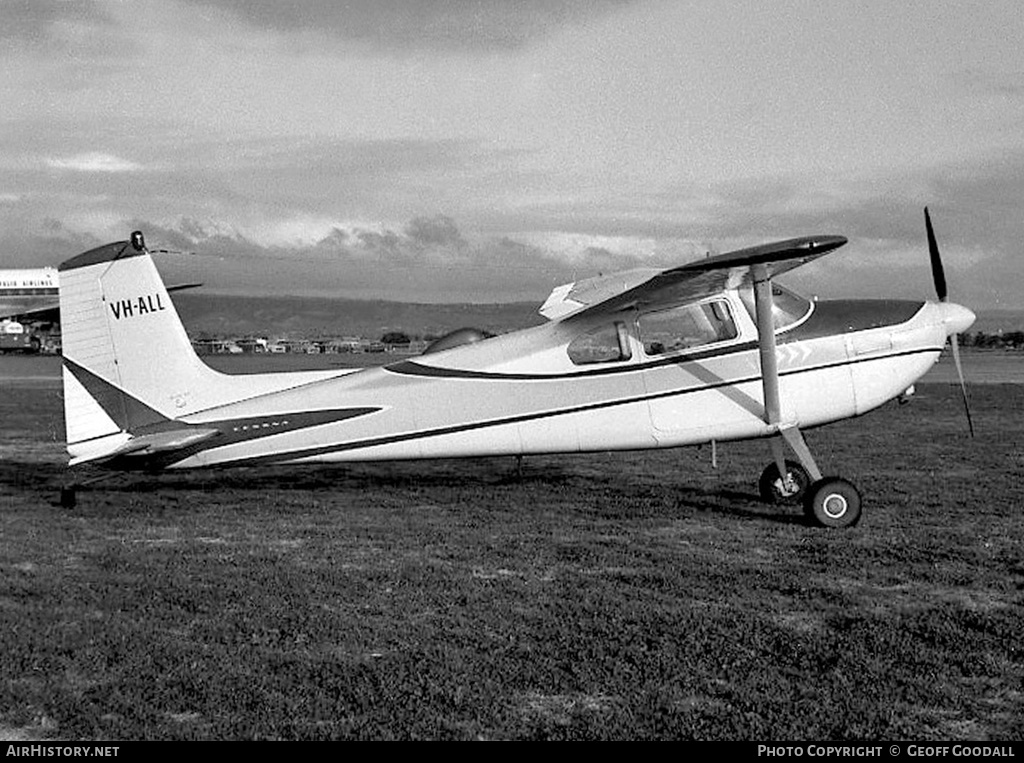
<point x="686" y="326"/>
<point x="606" y="344"/>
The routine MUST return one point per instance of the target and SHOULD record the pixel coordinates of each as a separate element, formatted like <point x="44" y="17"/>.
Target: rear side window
<point x="606" y="344"/>
<point x="685" y="327"/>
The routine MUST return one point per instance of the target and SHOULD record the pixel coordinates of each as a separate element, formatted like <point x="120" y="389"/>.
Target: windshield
<point x="788" y="307"/>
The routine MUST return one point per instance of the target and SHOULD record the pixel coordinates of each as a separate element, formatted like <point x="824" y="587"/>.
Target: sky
<point x="490" y="150"/>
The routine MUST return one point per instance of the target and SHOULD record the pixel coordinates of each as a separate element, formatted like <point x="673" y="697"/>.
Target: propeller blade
<point x="955" y="344"/>
<point x="938" y="274"/>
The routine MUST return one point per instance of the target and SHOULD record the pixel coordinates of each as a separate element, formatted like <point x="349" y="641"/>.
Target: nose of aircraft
<point x="956" y="318"/>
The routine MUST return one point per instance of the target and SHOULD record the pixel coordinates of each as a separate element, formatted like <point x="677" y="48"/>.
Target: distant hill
<point x="219" y="314"/>
<point x="994" y="321"/>
<point x="231" y="315"/>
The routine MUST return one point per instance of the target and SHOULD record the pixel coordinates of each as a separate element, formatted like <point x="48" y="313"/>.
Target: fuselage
<point x="546" y="390"/>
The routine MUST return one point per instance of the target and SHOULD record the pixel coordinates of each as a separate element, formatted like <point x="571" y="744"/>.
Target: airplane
<point x="709" y="351"/>
<point x="29" y="293"/>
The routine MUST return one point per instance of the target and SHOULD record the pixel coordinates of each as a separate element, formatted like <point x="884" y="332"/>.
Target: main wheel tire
<point x="833" y="502"/>
<point x="774" y="489"/>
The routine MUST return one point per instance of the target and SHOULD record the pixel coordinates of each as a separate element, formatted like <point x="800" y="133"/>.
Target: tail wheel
<point x="833" y="502"/>
<point x="68" y="497"/>
<point x="775" y="488"/>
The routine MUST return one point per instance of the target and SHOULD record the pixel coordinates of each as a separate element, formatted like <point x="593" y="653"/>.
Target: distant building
<point x="252" y="344"/>
<point x="215" y="347"/>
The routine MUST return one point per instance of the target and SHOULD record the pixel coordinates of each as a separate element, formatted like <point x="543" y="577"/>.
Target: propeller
<point x="939" y="277"/>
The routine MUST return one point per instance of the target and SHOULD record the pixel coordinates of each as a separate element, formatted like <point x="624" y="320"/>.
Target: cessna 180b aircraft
<point x="713" y="350"/>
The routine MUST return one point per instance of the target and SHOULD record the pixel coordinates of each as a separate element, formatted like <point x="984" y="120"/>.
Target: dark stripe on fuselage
<point x="456" y="429"/>
<point x="827" y="319"/>
<point x="137" y="418"/>
<point x="233" y="431"/>
<point x="412" y="368"/>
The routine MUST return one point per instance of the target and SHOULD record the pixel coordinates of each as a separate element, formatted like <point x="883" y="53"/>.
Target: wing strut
<point x="788" y="432"/>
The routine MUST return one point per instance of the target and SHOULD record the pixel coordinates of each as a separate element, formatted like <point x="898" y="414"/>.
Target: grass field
<point x="621" y="596"/>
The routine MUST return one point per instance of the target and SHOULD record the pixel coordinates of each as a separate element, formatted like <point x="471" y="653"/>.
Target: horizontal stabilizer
<point x="151" y="444"/>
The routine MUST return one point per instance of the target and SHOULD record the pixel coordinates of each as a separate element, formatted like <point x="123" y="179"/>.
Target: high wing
<point x="648" y="287"/>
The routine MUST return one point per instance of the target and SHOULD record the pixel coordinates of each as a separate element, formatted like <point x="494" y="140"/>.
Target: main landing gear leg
<point x="785" y="481"/>
<point x="828" y="501"/>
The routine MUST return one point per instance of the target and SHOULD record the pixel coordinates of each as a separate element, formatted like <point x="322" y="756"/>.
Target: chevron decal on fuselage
<point x="127" y="412"/>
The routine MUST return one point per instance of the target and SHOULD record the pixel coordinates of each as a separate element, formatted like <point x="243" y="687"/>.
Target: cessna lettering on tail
<point x="127" y="308"/>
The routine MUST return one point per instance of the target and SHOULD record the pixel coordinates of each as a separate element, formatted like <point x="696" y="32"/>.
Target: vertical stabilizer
<point x="127" y="356"/>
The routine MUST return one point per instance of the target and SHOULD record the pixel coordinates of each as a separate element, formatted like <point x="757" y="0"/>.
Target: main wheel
<point x="833" y="502"/>
<point x="789" y="490"/>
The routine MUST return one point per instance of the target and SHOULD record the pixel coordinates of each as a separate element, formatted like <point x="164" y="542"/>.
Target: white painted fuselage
<point x="521" y="394"/>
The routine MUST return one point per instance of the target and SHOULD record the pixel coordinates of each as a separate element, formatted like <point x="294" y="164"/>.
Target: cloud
<point x="47" y="243"/>
<point x="974" y="206"/>
<point x="35" y="21"/>
<point x="310" y="240"/>
<point x="50" y="26"/>
<point x="1000" y="84"/>
<point x="428" y="259"/>
<point x="94" y="162"/>
<point x="438" y="24"/>
<point x="437" y="231"/>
